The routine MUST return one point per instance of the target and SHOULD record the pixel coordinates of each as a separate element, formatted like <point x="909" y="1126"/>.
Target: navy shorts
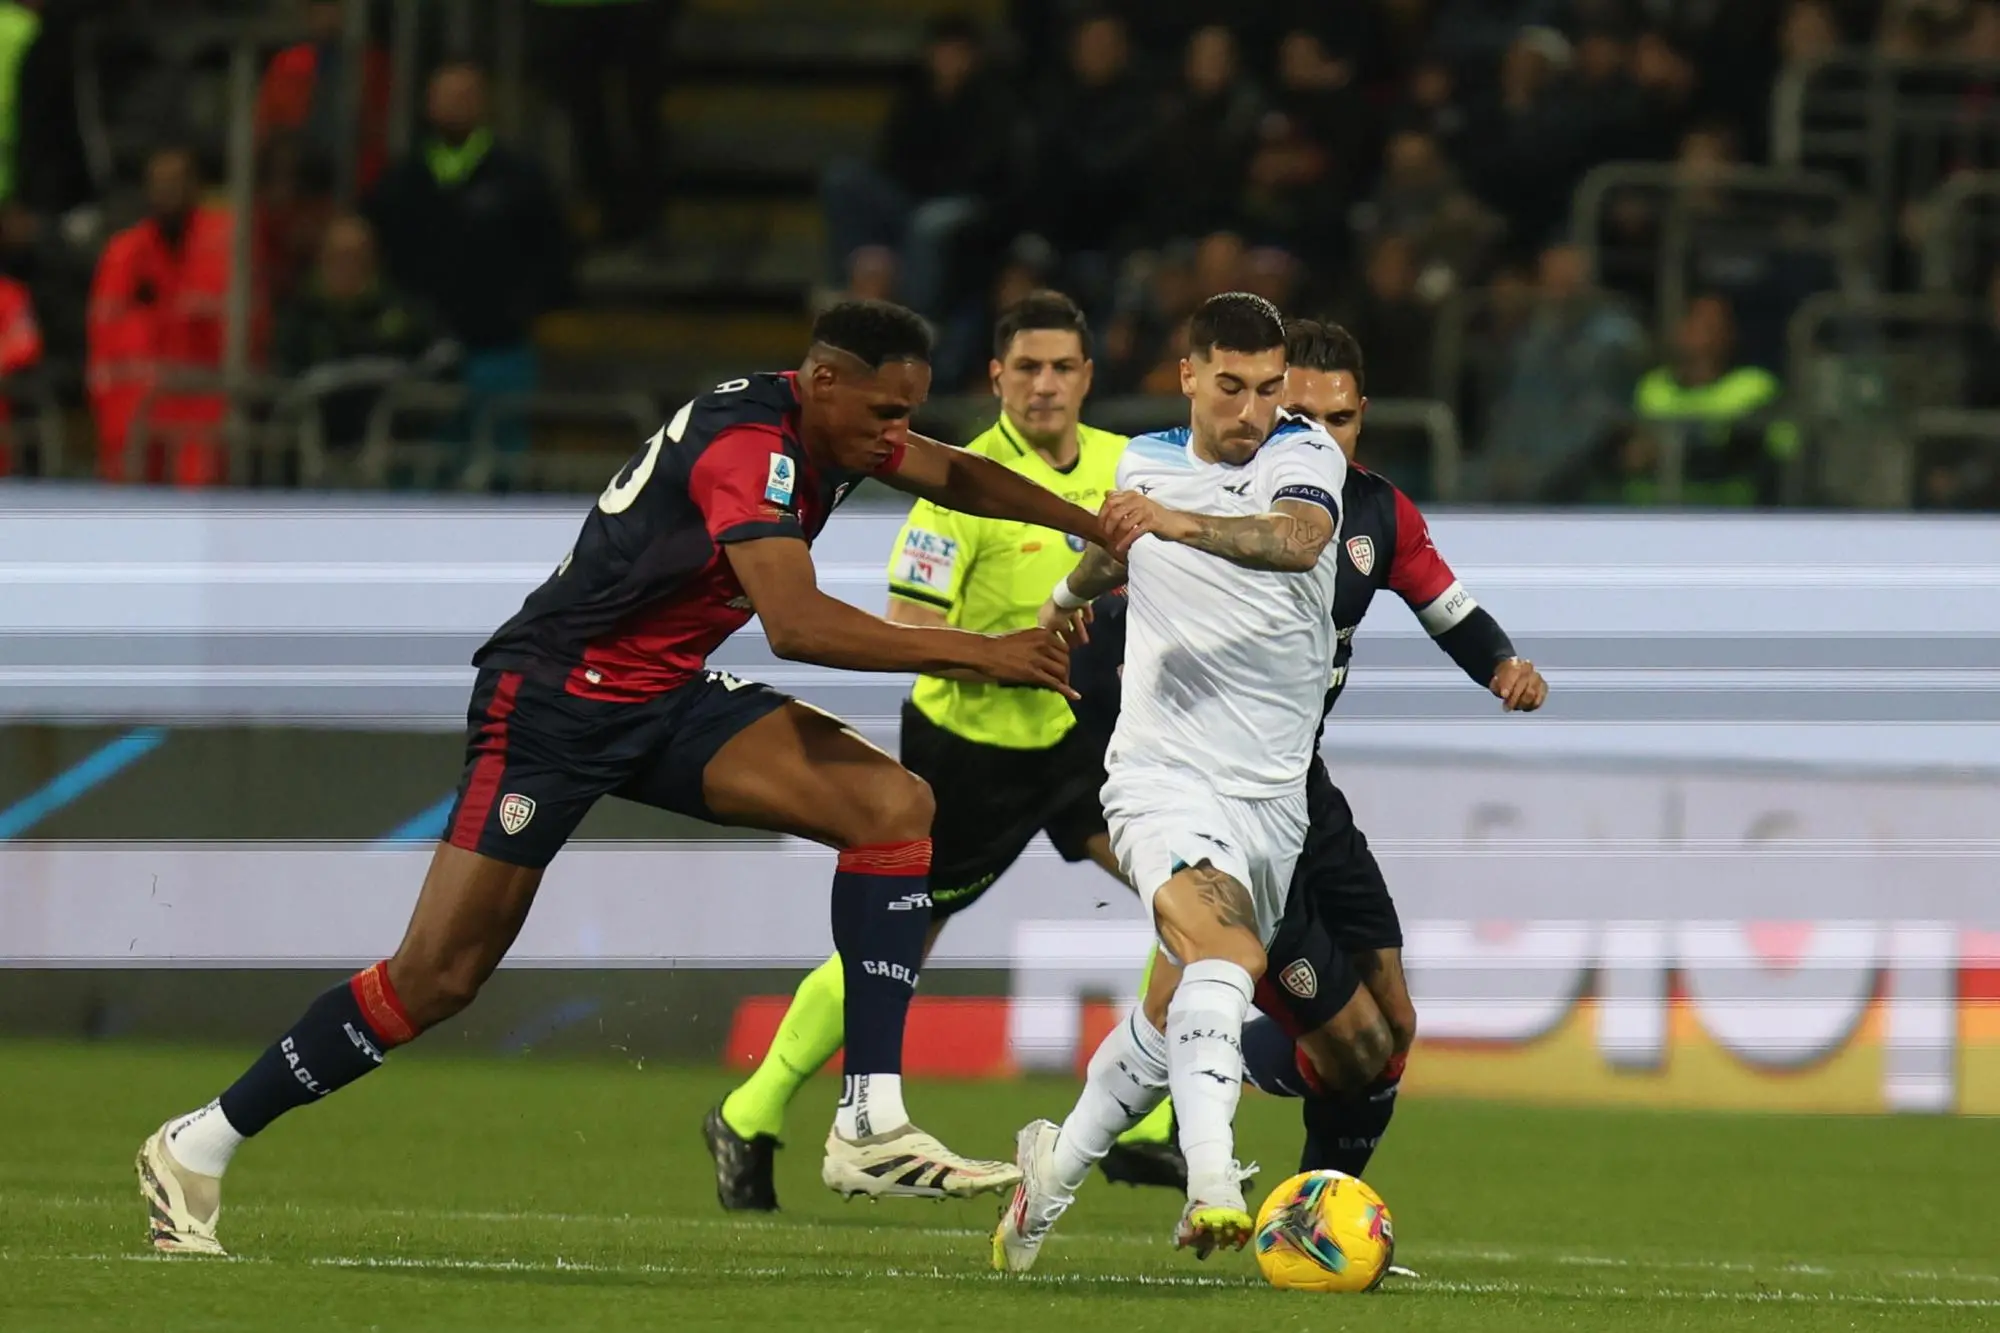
<point x="537" y="758"/>
<point x="1339" y="906"/>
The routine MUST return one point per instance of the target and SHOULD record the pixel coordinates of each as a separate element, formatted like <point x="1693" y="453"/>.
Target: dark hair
<point x="1322" y="345"/>
<point x="875" y="332"/>
<point x="1236" y="322"/>
<point x="1044" y="309"/>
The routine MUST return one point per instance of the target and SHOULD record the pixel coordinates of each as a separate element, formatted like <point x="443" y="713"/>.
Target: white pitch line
<point x="1468" y="1252"/>
<point x="1418" y="1287"/>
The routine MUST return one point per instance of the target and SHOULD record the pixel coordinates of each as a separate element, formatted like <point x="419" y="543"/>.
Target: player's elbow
<point x="794" y="636"/>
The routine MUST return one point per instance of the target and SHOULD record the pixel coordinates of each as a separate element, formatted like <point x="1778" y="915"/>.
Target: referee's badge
<point x="1361" y="550"/>
<point x="1298" y="976"/>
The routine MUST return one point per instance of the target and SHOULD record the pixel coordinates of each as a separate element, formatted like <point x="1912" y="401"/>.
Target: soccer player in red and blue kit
<point x="599" y="687"/>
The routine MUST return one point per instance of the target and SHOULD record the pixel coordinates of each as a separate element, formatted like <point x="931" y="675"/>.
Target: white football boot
<point x="1031" y="1214"/>
<point x="908" y="1163"/>
<point x="184" y="1204"/>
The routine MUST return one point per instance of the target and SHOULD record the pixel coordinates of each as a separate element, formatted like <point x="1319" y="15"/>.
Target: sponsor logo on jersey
<point x="1361" y="550"/>
<point x="1299" y="979"/>
<point x="840" y="493"/>
<point x="1240" y="488"/>
<point x="927" y="560"/>
<point x="778" y="482"/>
<point x="515" y="812"/>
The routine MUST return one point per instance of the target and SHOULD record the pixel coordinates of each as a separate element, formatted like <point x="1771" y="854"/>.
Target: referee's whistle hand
<point x="1037" y="657"/>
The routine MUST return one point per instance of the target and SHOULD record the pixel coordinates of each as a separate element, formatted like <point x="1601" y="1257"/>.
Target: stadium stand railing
<point x="1862" y="367"/>
<point x="1962" y="233"/>
<point x="1894" y="127"/>
<point x="1705" y="213"/>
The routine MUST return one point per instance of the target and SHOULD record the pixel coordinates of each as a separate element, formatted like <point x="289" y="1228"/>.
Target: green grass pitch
<point x="536" y="1194"/>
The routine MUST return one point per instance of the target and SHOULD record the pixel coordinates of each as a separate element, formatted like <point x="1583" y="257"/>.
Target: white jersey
<point x="1226" y="667"/>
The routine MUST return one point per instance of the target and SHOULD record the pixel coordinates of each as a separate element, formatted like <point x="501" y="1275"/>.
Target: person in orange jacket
<point x="20" y="349"/>
<point x="158" y="301"/>
<point x="302" y="89"/>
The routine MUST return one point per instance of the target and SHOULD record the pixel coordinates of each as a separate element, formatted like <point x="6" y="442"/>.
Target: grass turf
<point x="535" y="1194"/>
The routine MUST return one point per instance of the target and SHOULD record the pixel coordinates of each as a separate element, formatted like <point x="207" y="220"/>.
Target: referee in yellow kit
<point x="1004" y="763"/>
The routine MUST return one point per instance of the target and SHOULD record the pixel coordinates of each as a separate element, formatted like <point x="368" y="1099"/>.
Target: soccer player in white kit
<point x="1230" y="643"/>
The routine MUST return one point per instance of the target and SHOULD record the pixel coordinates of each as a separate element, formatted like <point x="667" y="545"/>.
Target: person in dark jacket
<point x="346" y="313"/>
<point x="942" y="158"/>
<point x="473" y="229"/>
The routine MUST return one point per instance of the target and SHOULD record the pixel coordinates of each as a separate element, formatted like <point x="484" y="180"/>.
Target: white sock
<point x="1205" y="1059"/>
<point x="1128" y="1078"/>
<point x="870" y="1104"/>
<point x="203" y="1141"/>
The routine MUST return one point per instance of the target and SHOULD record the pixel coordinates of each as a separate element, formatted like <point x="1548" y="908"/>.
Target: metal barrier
<point x="45" y="434"/>
<point x="1962" y="214"/>
<point x="1895" y="127"/>
<point x="1957" y="458"/>
<point x="1900" y="354"/>
<point x="1777" y="209"/>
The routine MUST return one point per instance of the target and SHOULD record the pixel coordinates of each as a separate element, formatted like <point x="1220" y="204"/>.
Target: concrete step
<point x="765" y="130"/>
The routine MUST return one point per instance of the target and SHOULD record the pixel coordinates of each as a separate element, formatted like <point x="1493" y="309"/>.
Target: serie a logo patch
<point x="780" y="480"/>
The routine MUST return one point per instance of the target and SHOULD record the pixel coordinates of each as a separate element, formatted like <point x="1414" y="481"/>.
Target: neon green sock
<point x="1159" y="1126"/>
<point x="807" y="1038"/>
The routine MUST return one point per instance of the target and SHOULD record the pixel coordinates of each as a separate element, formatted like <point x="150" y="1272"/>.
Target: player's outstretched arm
<point x="972" y="484"/>
<point x="1068" y="607"/>
<point x="1287" y="538"/>
<point x="803" y="624"/>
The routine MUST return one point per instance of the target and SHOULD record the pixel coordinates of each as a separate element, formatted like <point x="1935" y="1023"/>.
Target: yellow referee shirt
<point x="991" y="576"/>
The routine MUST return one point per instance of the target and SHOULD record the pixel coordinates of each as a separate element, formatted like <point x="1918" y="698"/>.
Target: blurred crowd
<point x="1407" y="167"/>
<point x="1370" y="161"/>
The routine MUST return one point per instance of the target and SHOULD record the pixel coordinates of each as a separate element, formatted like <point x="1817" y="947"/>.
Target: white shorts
<point x="1165" y="820"/>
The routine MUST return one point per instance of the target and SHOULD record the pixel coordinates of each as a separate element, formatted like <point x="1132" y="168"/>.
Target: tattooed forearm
<point x="1288" y="539"/>
<point x="1096" y="574"/>
<point x="1222" y="895"/>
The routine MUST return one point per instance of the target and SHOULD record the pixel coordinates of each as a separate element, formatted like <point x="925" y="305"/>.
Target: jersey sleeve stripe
<point x="757" y="529"/>
<point x="910" y="593"/>
<point x="1448" y="609"/>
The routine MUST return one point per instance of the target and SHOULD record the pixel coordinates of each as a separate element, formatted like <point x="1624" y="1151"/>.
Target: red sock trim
<point x="1393" y="1071"/>
<point x="379" y="1005"/>
<point x="888" y="858"/>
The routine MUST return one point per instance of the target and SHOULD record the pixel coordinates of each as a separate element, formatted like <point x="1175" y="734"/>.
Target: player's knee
<point x="434" y="989"/>
<point x="897" y="806"/>
<point x="1369" y="1050"/>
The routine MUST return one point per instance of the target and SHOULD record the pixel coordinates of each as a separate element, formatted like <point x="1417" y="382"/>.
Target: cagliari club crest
<point x="1298" y="978"/>
<point x="515" y="812"/>
<point x="1361" y="550"/>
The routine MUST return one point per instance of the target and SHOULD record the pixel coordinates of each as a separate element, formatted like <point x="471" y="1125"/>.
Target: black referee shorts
<point x="992" y="801"/>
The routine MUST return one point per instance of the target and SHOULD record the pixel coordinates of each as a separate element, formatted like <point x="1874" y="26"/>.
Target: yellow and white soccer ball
<point x="1324" y="1231"/>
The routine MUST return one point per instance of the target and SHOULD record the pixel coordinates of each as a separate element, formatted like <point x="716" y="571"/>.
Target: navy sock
<point x="1342" y="1133"/>
<point x="881" y="912"/>
<point x="1271" y="1059"/>
<point x="341" y="1036"/>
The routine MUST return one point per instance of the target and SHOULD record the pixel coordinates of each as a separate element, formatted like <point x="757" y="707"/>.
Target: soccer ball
<point x="1324" y="1231"/>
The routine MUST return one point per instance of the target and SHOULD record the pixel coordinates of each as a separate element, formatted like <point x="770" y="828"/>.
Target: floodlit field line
<point x="895" y="1273"/>
<point x="1445" y="1251"/>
